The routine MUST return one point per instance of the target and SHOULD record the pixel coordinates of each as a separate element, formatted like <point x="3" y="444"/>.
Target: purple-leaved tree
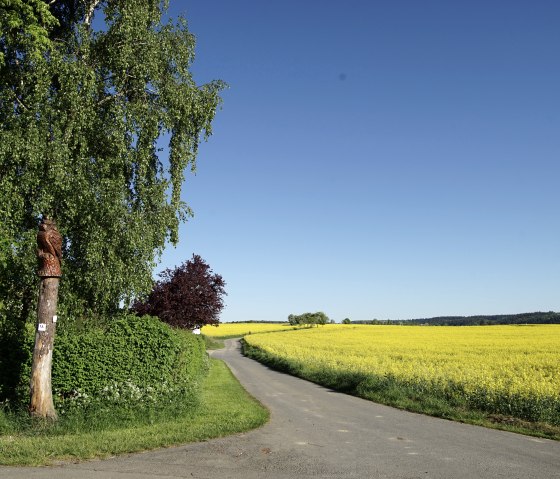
<point x="189" y="296"/>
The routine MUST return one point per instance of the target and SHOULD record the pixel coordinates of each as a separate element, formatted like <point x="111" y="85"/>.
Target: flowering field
<point x="236" y="330"/>
<point x="507" y="370"/>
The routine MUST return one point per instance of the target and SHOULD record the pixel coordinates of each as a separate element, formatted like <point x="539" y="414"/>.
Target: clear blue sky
<point x="378" y="159"/>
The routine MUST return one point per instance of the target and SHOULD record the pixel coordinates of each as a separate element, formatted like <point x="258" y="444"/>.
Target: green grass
<point x="212" y="343"/>
<point x="226" y="408"/>
<point x="401" y="397"/>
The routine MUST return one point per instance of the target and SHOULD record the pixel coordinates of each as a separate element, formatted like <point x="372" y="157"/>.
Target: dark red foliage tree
<point x="188" y="296"/>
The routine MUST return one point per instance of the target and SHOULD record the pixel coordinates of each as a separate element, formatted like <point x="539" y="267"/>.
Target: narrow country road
<point x="317" y="433"/>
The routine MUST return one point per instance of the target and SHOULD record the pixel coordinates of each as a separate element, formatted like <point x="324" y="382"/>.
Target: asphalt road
<point x="317" y="433"/>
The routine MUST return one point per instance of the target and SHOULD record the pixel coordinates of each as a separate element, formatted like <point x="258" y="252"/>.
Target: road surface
<point x="318" y="433"/>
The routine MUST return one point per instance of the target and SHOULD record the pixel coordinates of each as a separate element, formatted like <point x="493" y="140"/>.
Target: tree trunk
<point x="41" y="389"/>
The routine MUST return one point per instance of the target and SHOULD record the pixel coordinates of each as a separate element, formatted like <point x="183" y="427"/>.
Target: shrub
<point x="16" y="349"/>
<point x="137" y="361"/>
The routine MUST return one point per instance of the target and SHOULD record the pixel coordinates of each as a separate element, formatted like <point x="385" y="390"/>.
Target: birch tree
<point x="88" y="91"/>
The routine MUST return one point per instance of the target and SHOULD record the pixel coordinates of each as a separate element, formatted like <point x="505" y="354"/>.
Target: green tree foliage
<point x="82" y="114"/>
<point x="308" y="319"/>
<point x="189" y="296"/>
<point x="25" y="26"/>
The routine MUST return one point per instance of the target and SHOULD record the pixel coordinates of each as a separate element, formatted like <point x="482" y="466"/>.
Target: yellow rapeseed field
<point x="231" y="330"/>
<point x="512" y="370"/>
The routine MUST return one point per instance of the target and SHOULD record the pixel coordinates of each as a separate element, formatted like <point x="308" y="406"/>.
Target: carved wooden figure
<point x="49" y="253"/>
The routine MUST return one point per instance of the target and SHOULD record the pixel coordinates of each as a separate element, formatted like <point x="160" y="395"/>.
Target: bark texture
<point x="41" y="389"/>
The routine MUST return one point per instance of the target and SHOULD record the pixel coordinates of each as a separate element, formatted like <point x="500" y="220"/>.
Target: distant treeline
<point x="524" y="318"/>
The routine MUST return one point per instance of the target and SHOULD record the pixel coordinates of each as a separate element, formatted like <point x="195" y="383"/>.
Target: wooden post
<point x="41" y="389"/>
<point x="49" y="253"/>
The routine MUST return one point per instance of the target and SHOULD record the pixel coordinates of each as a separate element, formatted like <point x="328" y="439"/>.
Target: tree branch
<point x="108" y="98"/>
<point x="21" y="103"/>
<point x="89" y="14"/>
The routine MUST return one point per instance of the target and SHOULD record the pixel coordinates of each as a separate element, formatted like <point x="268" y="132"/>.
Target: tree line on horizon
<point x="538" y="317"/>
<point x="308" y="319"/>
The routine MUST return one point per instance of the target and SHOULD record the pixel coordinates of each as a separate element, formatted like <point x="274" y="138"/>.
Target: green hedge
<point x="16" y="349"/>
<point x="130" y="360"/>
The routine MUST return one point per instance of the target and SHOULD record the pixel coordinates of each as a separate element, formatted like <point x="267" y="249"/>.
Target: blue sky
<point x="378" y="159"/>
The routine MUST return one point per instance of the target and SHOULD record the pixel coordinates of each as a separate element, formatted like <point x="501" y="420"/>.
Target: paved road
<point x="317" y="433"/>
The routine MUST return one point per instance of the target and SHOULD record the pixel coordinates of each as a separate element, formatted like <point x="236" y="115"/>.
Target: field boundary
<point x="393" y="393"/>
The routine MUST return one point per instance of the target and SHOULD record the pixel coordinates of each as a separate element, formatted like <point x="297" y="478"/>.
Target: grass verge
<point x="433" y="405"/>
<point x="395" y="394"/>
<point x="226" y="408"/>
<point x="212" y="343"/>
